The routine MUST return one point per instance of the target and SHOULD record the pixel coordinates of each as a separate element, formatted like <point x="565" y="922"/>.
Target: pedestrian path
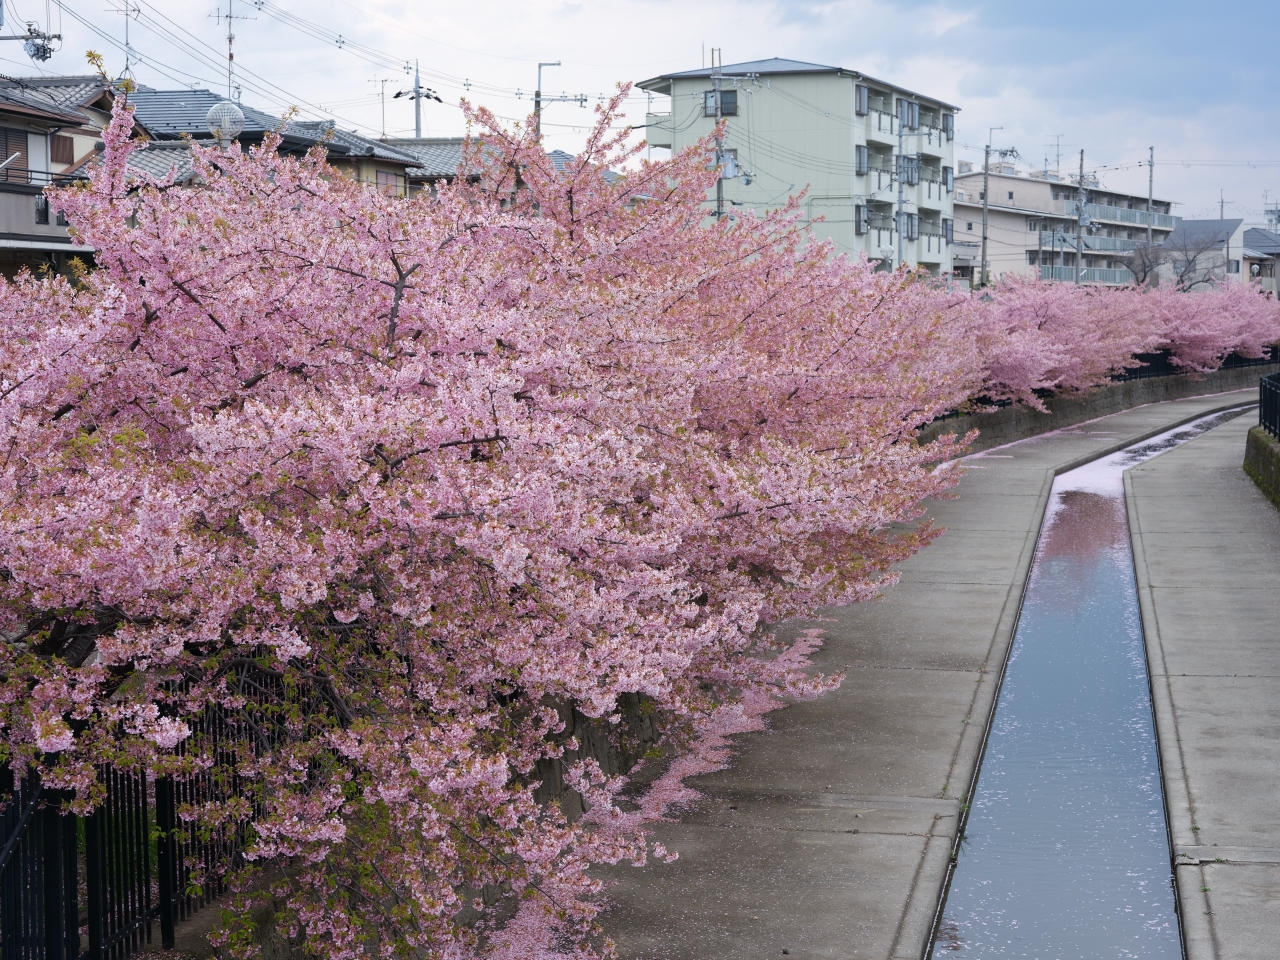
<point x="1207" y="554"/>
<point x="831" y="834"/>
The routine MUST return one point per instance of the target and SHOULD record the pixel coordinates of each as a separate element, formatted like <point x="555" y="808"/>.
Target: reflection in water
<point x="1066" y="854"/>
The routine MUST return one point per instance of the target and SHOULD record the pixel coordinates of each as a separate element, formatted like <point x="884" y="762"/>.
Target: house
<point x="1032" y="219"/>
<point x="1260" y="252"/>
<point x="1200" y="252"/>
<point x="172" y="116"/>
<point x="48" y="133"/>
<point x="873" y="156"/>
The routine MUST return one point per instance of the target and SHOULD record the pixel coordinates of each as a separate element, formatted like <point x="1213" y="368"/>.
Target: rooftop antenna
<point x="230" y="17"/>
<point x="382" y="95"/>
<point x="127" y="10"/>
<point x="1057" y="146"/>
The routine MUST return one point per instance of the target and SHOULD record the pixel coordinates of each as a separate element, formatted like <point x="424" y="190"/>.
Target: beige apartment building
<point x="1031" y="225"/>
<point x="847" y="138"/>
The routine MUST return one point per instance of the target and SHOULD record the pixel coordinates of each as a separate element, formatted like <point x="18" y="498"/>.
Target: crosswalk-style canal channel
<point x="1065" y="851"/>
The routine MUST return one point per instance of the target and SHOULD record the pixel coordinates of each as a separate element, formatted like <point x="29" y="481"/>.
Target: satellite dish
<point x="225" y="121"/>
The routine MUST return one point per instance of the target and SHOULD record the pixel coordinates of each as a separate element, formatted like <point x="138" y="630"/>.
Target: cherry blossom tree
<point x="391" y="480"/>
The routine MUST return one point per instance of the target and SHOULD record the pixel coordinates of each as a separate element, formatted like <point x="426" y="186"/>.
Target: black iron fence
<point x="1269" y="404"/>
<point x="1160" y="364"/>
<point x="93" y="888"/>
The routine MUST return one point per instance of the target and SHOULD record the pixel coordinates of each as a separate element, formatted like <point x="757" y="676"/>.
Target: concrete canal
<point x="1065" y="852"/>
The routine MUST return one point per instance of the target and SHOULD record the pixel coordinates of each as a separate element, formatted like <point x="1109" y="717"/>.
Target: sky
<point x="1111" y="78"/>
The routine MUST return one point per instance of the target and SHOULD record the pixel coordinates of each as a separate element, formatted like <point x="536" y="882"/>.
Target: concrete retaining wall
<point x="1018" y="422"/>
<point x="1262" y="462"/>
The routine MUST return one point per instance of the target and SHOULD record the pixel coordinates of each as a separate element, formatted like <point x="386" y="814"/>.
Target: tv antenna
<point x="127" y="10"/>
<point x="230" y="17"/>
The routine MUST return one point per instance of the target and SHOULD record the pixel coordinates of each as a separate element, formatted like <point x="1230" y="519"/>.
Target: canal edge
<point x="1005" y="631"/>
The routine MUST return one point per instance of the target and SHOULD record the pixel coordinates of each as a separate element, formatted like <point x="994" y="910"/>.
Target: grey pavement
<point x="1207" y="552"/>
<point x="831" y="833"/>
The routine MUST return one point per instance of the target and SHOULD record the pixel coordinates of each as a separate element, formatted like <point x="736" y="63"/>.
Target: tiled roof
<point x="159" y="158"/>
<point x="355" y="144"/>
<point x="1263" y="241"/>
<point x="65" y="92"/>
<point x="168" y="114"/>
<point x="19" y="96"/>
<point x="1192" y="234"/>
<point x="436" y="158"/>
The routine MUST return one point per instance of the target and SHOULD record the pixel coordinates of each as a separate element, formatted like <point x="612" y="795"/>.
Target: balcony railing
<point x="1088" y="275"/>
<point x="1091" y="243"/>
<point x="1096" y="211"/>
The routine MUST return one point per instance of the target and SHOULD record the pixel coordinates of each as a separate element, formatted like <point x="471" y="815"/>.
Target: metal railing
<point x="1269" y="404"/>
<point x="1088" y="275"/>
<point x="1098" y="211"/>
<point x="1048" y="239"/>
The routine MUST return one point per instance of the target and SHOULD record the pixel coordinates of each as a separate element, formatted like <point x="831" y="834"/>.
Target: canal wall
<point x="1019" y="422"/>
<point x="833" y="832"/>
<point x="1262" y="462"/>
<point x="1206" y="550"/>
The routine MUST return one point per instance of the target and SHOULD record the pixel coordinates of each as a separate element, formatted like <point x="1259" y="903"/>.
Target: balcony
<point x="1088" y="275"/>
<point x="1094" y="211"/>
<point x="1117" y="244"/>
<point x="658" y="129"/>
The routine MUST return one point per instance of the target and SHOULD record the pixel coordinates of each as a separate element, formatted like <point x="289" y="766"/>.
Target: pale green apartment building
<point x="852" y="140"/>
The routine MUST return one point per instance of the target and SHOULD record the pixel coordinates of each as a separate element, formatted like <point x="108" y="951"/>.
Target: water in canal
<point x="1066" y="853"/>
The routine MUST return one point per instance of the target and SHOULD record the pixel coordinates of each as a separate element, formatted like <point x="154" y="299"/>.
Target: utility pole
<point x="417" y="102"/>
<point x="901" y="173"/>
<point x="986" y="201"/>
<point x="537" y="99"/>
<point x="419" y="93"/>
<point x="1151" y="185"/>
<point x="716" y="65"/>
<point x="1080" y="224"/>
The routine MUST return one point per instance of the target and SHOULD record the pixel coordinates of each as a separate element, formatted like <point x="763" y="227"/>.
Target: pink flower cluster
<point x="438" y="464"/>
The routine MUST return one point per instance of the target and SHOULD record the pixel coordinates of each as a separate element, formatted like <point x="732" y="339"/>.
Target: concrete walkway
<point x="1207" y="551"/>
<point x="831" y="834"/>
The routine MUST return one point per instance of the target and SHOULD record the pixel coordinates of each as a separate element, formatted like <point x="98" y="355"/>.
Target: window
<point x="861" y="100"/>
<point x="1010" y="194"/>
<point x="948" y="230"/>
<point x="913" y="226"/>
<point x="861" y="220"/>
<point x="1233" y="266"/>
<point x="948" y="179"/>
<point x="969" y="226"/>
<point x="949" y="125"/>
<point x="908" y="114"/>
<point x="62" y="149"/>
<point x="728" y="103"/>
<point x="390" y="184"/>
<point x="14" y="142"/>
<point x="42" y="209"/>
<point x="909" y="170"/>
<point x="862" y="159"/>
<point x="982" y="195"/>
<point x="1032" y="225"/>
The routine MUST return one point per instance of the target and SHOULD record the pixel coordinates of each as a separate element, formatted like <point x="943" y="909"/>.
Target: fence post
<point x="166" y="858"/>
<point x="95" y="876"/>
<point x="52" y="835"/>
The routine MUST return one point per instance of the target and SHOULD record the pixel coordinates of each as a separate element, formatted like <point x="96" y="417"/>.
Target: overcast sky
<point x="1197" y="82"/>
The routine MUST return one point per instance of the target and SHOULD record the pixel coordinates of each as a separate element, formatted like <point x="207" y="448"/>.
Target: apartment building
<point x="1031" y="225"/>
<point x="848" y="139"/>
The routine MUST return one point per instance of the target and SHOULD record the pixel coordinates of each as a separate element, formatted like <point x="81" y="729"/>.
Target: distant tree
<point x="1190" y="258"/>
<point x="1144" y="263"/>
